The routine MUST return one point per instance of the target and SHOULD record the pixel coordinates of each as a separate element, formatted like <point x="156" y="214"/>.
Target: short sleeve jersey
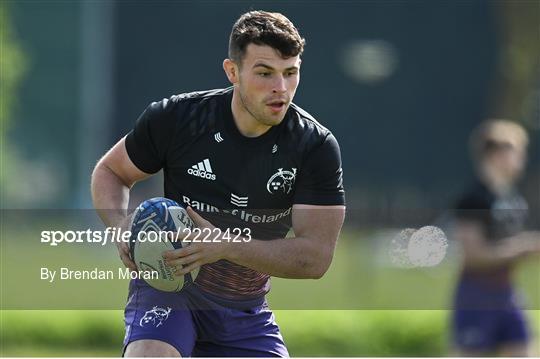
<point x="499" y="216"/>
<point x="236" y="181"/>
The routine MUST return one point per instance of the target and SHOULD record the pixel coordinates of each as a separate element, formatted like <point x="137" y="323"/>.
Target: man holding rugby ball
<point x="240" y="157"/>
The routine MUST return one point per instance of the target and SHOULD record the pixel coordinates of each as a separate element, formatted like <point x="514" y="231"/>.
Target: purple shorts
<point x="196" y="324"/>
<point x="485" y="318"/>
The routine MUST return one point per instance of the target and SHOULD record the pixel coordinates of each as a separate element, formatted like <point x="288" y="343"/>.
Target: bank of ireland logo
<point x="155" y="316"/>
<point x="281" y="181"/>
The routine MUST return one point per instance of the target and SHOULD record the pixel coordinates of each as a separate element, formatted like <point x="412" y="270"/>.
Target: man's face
<point x="507" y="162"/>
<point x="267" y="83"/>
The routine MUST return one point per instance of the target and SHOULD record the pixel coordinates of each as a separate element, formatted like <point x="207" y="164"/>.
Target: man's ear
<point x="231" y="70"/>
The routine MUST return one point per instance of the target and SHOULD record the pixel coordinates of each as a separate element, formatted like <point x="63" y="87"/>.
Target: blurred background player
<point x="491" y="217"/>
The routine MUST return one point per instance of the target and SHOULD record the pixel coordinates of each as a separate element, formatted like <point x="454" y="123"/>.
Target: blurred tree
<point x="517" y="84"/>
<point x="519" y="69"/>
<point x="12" y="68"/>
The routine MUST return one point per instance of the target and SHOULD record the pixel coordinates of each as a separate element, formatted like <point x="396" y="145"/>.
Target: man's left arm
<point x="317" y="216"/>
<point x="307" y="255"/>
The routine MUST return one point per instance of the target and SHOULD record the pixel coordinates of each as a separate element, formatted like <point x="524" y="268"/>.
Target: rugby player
<point x="491" y="215"/>
<point x="240" y="157"/>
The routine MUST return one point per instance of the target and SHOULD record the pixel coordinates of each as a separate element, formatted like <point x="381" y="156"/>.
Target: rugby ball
<point x="149" y="224"/>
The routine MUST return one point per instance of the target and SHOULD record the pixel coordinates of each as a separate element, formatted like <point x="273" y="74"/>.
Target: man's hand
<point x="306" y="255"/>
<point x="528" y="242"/>
<point x="196" y="254"/>
<point x="123" y="247"/>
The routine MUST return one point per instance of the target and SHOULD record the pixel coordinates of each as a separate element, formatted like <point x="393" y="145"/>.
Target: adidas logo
<point x="203" y="170"/>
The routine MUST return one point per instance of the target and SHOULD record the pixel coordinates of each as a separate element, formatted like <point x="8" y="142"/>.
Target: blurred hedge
<point x="61" y="330"/>
<point x="306" y="333"/>
<point x="364" y="333"/>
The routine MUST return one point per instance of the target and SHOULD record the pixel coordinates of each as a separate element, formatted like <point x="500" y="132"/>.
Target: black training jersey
<point x="235" y="181"/>
<point x="499" y="216"/>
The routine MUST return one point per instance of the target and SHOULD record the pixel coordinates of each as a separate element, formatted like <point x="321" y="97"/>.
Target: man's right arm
<point x="112" y="179"/>
<point x="479" y="253"/>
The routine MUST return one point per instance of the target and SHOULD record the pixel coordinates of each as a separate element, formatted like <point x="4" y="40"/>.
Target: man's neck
<point x="245" y="122"/>
<point x="498" y="186"/>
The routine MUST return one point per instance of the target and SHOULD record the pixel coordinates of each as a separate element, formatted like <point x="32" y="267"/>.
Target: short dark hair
<point x="264" y="28"/>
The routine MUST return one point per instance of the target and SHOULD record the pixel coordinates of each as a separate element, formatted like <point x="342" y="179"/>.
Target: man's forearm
<point x="504" y="253"/>
<point x="286" y="258"/>
<point x="491" y="258"/>
<point x="109" y="195"/>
